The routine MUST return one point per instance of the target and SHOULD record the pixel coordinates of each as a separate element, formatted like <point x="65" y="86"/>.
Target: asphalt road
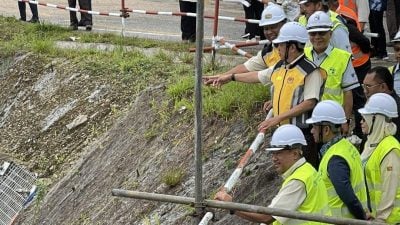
<point x="141" y="25"/>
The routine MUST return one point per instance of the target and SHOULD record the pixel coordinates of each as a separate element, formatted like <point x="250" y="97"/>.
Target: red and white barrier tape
<point x="149" y="12"/>
<point x="72" y="9"/>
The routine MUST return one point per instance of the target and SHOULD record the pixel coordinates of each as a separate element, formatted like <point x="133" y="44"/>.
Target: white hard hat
<point x="292" y="31"/>
<point x="324" y="2"/>
<point x="272" y="14"/>
<point x="319" y="21"/>
<point x="380" y="103"/>
<point x="328" y="111"/>
<point x="286" y="136"/>
<point x="396" y="37"/>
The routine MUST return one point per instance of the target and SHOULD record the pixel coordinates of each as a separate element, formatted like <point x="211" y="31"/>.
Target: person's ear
<point x="326" y="130"/>
<point x="385" y="86"/>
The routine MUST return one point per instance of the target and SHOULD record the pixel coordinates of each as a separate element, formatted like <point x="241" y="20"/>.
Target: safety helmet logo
<point x="268" y="16"/>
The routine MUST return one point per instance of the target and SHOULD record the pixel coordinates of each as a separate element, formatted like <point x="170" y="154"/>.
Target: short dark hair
<point x="383" y="74"/>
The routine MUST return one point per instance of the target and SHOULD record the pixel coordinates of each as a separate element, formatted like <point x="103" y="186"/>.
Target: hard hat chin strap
<point x="287" y="52"/>
<point x="320" y="138"/>
<point x="372" y="125"/>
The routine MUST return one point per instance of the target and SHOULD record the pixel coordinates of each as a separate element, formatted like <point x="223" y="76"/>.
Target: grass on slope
<point x="133" y="70"/>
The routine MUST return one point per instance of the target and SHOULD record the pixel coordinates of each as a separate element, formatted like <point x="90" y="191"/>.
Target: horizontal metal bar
<point x="241" y="207"/>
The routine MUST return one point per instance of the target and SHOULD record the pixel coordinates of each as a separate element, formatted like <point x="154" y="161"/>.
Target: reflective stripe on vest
<point x="335" y="65"/>
<point x="359" y="57"/>
<point x="316" y="197"/>
<point x="348" y="152"/>
<point x="374" y="179"/>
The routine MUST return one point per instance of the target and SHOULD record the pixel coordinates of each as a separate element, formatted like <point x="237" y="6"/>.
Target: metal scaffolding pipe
<point x="215" y="31"/>
<point x="198" y="111"/>
<point x="241" y="207"/>
<point x="239" y="44"/>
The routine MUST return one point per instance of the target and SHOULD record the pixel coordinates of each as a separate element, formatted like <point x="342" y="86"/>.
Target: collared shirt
<point x="349" y="79"/>
<point x="292" y="195"/>
<point x="312" y="83"/>
<point x="255" y="63"/>
<point x="396" y="77"/>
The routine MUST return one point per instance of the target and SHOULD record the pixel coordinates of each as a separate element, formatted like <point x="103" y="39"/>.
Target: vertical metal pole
<point x="198" y="111"/>
<point x="123" y="11"/>
<point x="215" y="31"/>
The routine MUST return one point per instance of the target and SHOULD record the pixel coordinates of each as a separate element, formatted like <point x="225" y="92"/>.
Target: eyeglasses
<point x="320" y="33"/>
<point x="368" y="86"/>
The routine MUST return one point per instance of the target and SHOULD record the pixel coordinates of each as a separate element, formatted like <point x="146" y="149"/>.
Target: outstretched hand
<point x="223" y="196"/>
<point x="217" y="80"/>
<point x="267" y="124"/>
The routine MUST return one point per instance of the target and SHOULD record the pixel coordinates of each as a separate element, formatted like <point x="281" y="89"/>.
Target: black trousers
<point x="86" y="19"/>
<point x="393" y="17"/>
<point x="254" y="11"/>
<point x="376" y="26"/>
<point x="22" y="11"/>
<point x="188" y="24"/>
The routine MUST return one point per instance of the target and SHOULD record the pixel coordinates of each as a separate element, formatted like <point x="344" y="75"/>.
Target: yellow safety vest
<point x="303" y="20"/>
<point x="270" y="56"/>
<point x="336" y="22"/>
<point x="316" y="200"/>
<point x="335" y="65"/>
<point x="348" y="152"/>
<point x="391" y="69"/>
<point x="374" y="179"/>
<point x="288" y="89"/>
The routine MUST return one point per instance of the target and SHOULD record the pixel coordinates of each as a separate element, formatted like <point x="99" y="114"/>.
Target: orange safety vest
<point x="348" y="12"/>
<point x="359" y="57"/>
<point x="350" y="4"/>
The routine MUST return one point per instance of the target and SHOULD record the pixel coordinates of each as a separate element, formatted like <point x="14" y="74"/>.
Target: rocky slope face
<point x="85" y="136"/>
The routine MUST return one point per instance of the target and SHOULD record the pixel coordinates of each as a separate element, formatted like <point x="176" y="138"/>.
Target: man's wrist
<point x="233" y="77"/>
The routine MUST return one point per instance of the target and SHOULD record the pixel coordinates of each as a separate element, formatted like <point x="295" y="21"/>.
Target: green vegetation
<point x="233" y="97"/>
<point x="173" y="176"/>
<point x="132" y="70"/>
<point x="147" y="221"/>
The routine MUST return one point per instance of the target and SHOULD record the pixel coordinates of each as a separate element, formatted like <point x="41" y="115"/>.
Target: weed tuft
<point x="173" y="176"/>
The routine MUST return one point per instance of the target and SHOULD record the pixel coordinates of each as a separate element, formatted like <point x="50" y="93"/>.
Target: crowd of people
<point x="320" y="77"/>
